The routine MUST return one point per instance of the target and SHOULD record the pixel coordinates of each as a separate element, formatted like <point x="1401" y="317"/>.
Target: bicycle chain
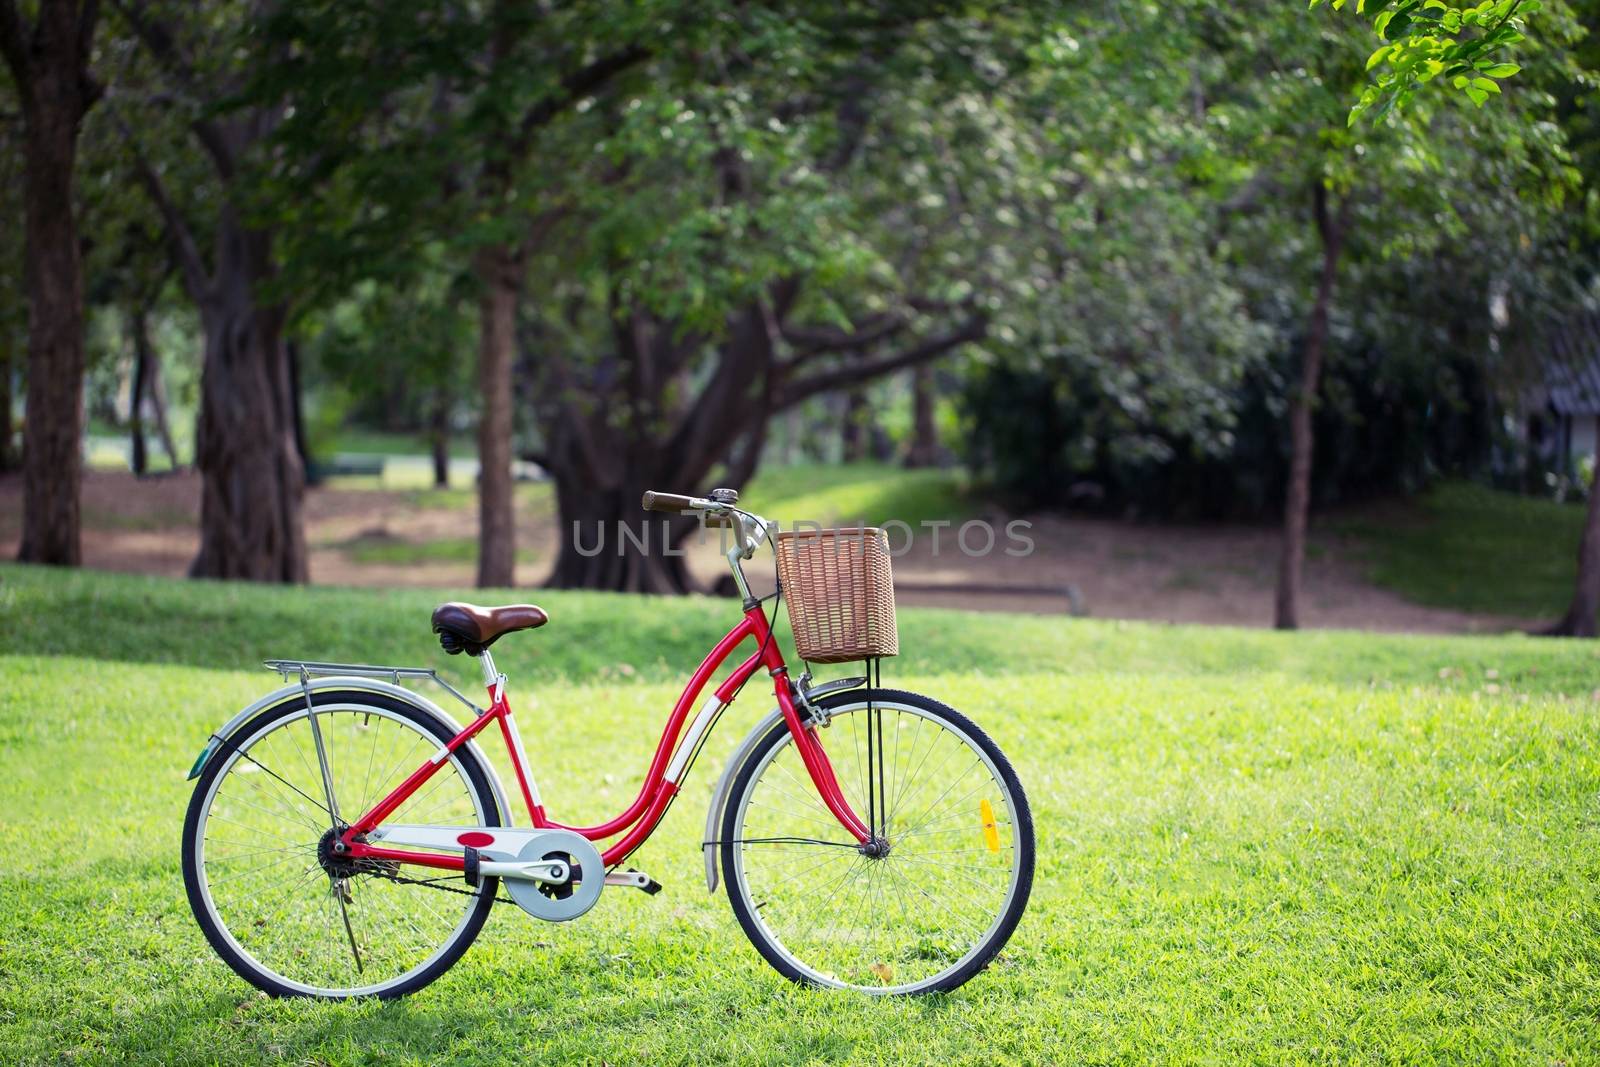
<point x="435" y="885"/>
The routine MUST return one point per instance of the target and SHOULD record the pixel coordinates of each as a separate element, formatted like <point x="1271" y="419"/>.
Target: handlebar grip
<point x="654" y="501"/>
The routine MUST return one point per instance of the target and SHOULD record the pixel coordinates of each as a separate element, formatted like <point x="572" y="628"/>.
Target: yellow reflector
<point x="991" y="832"/>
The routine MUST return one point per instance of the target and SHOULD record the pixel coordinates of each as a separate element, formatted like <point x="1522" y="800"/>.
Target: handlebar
<point x="654" y="501"/>
<point x="751" y="528"/>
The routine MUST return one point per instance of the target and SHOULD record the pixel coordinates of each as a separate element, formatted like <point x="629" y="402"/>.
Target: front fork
<point x="817" y="763"/>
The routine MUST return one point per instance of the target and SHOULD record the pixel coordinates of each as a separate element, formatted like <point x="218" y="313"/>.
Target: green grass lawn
<point x="1475" y="549"/>
<point x="1254" y="847"/>
<point x="839" y="494"/>
<point x="369" y="549"/>
<point x="379" y="443"/>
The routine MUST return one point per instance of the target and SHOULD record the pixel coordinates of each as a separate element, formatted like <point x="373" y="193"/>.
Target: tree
<point x="434" y="112"/>
<point x="1581" y="614"/>
<point x="437" y="113"/>
<point x="667" y="186"/>
<point x="1395" y="182"/>
<point x="146" y="392"/>
<point x="130" y="268"/>
<point x="880" y="223"/>
<point x="1457" y="44"/>
<point x="252" y="475"/>
<point x="13" y="282"/>
<point x="1332" y="226"/>
<point x="923" y="448"/>
<point x="49" y="62"/>
<point x="1233" y="240"/>
<point x="1576" y="97"/>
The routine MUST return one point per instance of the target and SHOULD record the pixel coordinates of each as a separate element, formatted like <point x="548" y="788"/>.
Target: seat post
<point x="490" y="675"/>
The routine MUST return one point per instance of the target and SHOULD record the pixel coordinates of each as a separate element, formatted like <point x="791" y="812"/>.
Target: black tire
<point x="476" y="776"/>
<point x="1017" y="903"/>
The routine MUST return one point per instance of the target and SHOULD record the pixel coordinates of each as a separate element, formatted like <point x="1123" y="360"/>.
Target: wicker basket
<point x="840" y="589"/>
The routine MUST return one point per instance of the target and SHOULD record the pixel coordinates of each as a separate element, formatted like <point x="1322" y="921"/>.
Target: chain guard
<point x="568" y="900"/>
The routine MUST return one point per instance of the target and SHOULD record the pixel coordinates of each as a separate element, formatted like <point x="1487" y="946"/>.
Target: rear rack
<point x="308" y="669"/>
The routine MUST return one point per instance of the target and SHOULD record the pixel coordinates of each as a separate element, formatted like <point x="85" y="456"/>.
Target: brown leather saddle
<point x="471" y="629"/>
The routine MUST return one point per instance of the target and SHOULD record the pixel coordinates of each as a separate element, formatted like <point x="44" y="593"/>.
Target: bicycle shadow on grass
<point x="485" y="1014"/>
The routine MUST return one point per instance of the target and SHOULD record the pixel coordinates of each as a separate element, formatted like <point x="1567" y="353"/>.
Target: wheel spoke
<point x="904" y="921"/>
<point x="300" y="916"/>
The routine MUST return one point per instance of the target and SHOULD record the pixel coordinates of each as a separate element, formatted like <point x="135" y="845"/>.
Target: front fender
<point x="719" y="796"/>
<point x="294" y="691"/>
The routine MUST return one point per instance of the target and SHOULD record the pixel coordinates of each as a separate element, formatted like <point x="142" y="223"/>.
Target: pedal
<point x="634" y="880"/>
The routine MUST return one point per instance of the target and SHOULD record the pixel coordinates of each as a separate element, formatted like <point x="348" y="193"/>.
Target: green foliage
<point x="1124" y="194"/>
<point x="1331" y="845"/>
<point x="1429" y="39"/>
<point x="1063" y="437"/>
<point x="1150" y="365"/>
<point x="395" y="354"/>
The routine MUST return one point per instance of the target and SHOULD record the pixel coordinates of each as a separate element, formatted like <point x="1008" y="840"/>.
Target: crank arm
<point x="632" y="879"/>
<point x="554" y="871"/>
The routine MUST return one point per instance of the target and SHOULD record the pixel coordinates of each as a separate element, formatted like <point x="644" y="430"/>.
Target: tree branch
<point x="815" y="340"/>
<point x="793" y="392"/>
<point x="574" y="87"/>
<point x="723" y="405"/>
<point x="563" y="409"/>
<point x="88" y="17"/>
<point x="851" y="119"/>
<point x="162" y="43"/>
<point x="183" y="243"/>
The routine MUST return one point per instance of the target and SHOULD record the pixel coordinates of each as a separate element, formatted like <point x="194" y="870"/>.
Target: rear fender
<point x="294" y="692"/>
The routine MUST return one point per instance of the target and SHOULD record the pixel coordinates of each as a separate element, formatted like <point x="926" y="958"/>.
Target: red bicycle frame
<point x="661" y="781"/>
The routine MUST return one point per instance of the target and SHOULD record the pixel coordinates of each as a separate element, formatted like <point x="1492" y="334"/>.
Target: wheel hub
<point x="876" y="849"/>
<point x="334" y="857"/>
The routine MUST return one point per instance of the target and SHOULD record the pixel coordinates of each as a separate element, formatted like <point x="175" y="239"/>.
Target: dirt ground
<point x="1107" y="568"/>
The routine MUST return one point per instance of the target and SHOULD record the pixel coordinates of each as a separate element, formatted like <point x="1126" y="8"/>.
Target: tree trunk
<point x="439" y="439"/>
<point x="297" y="405"/>
<point x="1580" y="619"/>
<point x="924" y="450"/>
<point x="853" y="429"/>
<point x="1297" y="498"/>
<point x="629" y="423"/>
<point x="8" y="430"/>
<point x="141" y="384"/>
<point x="49" y="66"/>
<point x="500" y="274"/>
<point x="253" y="483"/>
<point x="608" y="542"/>
<point x="158" y="406"/>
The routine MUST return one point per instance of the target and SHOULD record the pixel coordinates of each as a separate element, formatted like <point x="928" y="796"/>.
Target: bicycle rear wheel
<point x="278" y="905"/>
<point x="946" y="893"/>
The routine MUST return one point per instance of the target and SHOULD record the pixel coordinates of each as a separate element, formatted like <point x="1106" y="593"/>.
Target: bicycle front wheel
<point x="273" y="897"/>
<point x="931" y="904"/>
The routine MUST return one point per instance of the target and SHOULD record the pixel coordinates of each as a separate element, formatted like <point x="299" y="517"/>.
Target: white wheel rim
<point x="742" y="882"/>
<point x="232" y="759"/>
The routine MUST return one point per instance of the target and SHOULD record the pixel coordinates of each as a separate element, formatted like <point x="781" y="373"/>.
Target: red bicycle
<point x="347" y="837"/>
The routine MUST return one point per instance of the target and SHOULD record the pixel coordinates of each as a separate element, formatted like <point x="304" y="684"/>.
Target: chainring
<point x="562" y="901"/>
